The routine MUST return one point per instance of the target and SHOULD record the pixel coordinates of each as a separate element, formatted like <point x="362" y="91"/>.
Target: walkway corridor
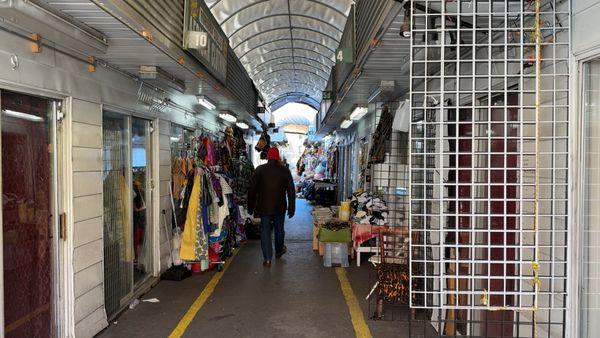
<point x="296" y="297"/>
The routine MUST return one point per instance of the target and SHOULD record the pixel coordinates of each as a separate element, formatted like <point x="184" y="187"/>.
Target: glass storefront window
<point x="590" y="282"/>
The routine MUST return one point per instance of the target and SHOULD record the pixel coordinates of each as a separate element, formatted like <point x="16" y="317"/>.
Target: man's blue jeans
<point x="267" y="223"/>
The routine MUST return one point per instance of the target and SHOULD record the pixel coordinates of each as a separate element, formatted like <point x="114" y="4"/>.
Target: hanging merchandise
<point x="213" y="223"/>
<point x="263" y="144"/>
<point x="332" y="161"/>
<point x="393" y="282"/>
<point x="363" y="159"/>
<point x="382" y="134"/>
<point x="368" y="209"/>
<point x="402" y="117"/>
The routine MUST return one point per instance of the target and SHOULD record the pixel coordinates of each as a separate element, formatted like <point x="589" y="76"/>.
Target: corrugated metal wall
<point x="240" y="84"/>
<point x="167" y="17"/>
<point x="368" y="14"/>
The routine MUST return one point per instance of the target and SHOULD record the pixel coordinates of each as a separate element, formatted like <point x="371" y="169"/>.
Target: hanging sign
<point x="203" y="37"/>
<point x="344" y="55"/>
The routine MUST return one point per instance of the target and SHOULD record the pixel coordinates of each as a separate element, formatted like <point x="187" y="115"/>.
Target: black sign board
<point x="210" y="50"/>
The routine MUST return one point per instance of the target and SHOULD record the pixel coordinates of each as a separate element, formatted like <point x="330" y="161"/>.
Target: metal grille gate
<point x="118" y="255"/>
<point x="488" y="171"/>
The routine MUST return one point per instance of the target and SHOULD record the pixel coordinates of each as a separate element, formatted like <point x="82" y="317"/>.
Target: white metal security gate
<point x="489" y="143"/>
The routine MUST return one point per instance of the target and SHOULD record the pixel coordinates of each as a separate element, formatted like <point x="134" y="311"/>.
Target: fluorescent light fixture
<point x="242" y="125"/>
<point x="358" y="113"/>
<point x="174" y="139"/>
<point x="22" y="116"/>
<point x="228" y="117"/>
<point x="206" y="102"/>
<point x="346" y="124"/>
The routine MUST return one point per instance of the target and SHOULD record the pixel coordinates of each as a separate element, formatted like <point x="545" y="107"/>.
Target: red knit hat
<point x="273" y="154"/>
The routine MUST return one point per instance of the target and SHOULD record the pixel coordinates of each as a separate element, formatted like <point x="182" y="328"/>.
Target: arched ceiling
<point x="287" y="46"/>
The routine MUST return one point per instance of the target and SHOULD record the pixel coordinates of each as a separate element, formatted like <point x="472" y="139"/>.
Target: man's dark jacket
<point x="268" y="188"/>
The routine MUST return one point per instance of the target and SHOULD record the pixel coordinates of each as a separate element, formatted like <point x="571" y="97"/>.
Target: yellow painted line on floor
<point x="199" y="302"/>
<point x="356" y="315"/>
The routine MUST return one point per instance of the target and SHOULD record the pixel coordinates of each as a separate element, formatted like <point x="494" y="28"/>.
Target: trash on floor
<point x="151" y="300"/>
<point x="134" y="304"/>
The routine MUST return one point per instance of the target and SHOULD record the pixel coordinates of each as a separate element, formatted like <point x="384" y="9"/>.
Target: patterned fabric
<point x="187" y="251"/>
<point x="244" y="171"/>
<point x="201" y="245"/>
<point x="382" y="134"/>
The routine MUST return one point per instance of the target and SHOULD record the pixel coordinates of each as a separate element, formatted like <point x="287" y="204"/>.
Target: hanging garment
<point x="178" y="176"/>
<point x="187" y="251"/>
<point x="185" y="201"/>
<point x="223" y="210"/>
<point x="381" y="136"/>
<point x="402" y="117"/>
<point x="201" y="243"/>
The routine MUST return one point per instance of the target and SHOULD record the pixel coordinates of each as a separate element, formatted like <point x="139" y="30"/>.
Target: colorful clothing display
<point x="211" y="223"/>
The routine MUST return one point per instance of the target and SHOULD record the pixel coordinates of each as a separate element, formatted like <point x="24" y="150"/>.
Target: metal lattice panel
<point x="489" y="155"/>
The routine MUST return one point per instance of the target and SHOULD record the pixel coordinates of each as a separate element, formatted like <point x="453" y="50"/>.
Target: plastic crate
<point x="336" y="253"/>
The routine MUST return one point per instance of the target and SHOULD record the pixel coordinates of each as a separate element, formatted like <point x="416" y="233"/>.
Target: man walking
<point x="269" y="185"/>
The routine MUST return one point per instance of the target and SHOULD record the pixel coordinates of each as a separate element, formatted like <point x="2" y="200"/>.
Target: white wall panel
<point x="87" y="231"/>
<point x="89" y="302"/>
<point x="87" y="112"/>
<point x="92" y="324"/>
<point x="87" y="135"/>
<point x="87" y="255"/>
<point x="87" y="207"/>
<point x="87" y="183"/>
<point x="87" y="159"/>
<point x="87" y="279"/>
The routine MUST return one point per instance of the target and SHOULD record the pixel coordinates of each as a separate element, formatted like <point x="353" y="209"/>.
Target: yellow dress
<point x="188" y="239"/>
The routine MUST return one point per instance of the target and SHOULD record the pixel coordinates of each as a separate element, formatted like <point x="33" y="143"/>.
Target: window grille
<point x="488" y="165"/>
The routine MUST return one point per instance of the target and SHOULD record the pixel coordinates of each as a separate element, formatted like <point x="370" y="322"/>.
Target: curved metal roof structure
<point x="287" y="46"/>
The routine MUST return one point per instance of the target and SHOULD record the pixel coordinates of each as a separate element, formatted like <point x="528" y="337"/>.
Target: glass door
<point x="141" y="172"/>
<point x="28" y="226"/>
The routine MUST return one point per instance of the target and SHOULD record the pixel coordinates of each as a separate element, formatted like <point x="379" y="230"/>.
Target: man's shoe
<point x="267" y="264"/>
<point x="282" y="252"/>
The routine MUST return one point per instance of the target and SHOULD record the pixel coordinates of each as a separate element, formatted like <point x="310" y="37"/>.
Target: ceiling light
<point x="346" y="124"/>
<point x="22" y="116"/>
<point x="242" y="125"/>
<point x="358" y="113"/>
<point x="206" y="102"/>
<point x="228" y="117"/>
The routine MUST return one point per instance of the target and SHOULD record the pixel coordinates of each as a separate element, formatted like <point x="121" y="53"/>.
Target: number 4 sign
<point x="344" y="55"/>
